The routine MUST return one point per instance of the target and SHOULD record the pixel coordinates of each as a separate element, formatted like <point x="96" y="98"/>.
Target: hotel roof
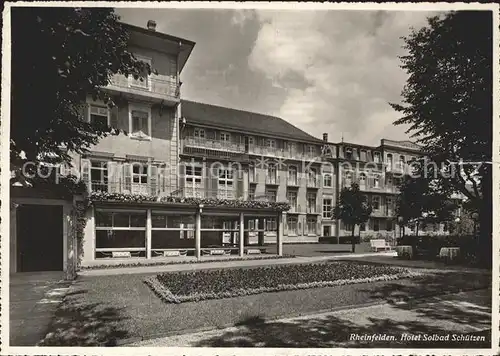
<point x="238" y="120"/>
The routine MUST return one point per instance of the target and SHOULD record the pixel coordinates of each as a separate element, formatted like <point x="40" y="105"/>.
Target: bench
<point x="217" y="252"/>
<point x="254" y="251"/>
<point x="172" y="253"/>
<point x="380" y="244"/>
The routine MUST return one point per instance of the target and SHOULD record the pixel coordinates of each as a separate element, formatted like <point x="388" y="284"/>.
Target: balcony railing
<point x="313" y="182"/>
<point x="156" y="84"/>
<point x="272" y="180"/>
<point x="280" y="152"/>
<point x="124" y="187"/>
<point x="213" y="144"/>
<point x="293" y="181"/>
<point x="294" y="208"/>
<point x="313" y="209"/>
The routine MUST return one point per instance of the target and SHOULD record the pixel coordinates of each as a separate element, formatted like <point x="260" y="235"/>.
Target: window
<point x="251" y="174"/>
<point x="327" y="208"/>
<point x="99" y="115"/>
<point x="139" y="178"/>
<point x="311" y="225"/>
<point x="171" y="231"/>
<point x="120" y="230"/>
<point x="271" y="174"/>
<point x="388" y="181"/>
<point x="362" y="181"/>
<point x="401" y="161"/>
<point x="311" y="150"/>
<point x="389" y="204"/>
<point x="348" y="153"/>
<point x="389" y="225"/>
<point x="199" y="133"/>
<point x="376" y="181"/>
<point x="225" y="137"/>
<point x="225" y="189"/>
<point x="292" y="175"/>
<point x="251" y="192"/>
<point x="271" y="194"/>
<point x="347" y="178"/>
<point x="362" y="227"/>
<point x="270" y="143"/>
<point x="311" y="177"/>
<point x="271" y="224"/>
<point x="376" y="203"/>
<point x="363" y="155"/>
<point x="376" y="157"/>
<point x="347" y="227"/>
<point x="327" y="180"/>
<point x="376" y="225"/>
<point x="389" y="161"/>
<point x="193" y="181"/>
<point x="292" y="147"/>
<point x="140" y="122"/>
<point x="292" y="199"/>
<point x="99" y="175"/>
<point x="311" y="202"/>
<point x="292" y="222"/>
<point x="144" y="81"/>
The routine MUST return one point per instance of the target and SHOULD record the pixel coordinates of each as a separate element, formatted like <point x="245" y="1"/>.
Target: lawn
<point x="120" y="309"/>
<point x="178" y="287"/>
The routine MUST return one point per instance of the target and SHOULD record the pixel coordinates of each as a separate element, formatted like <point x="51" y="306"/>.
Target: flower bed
<point x="182" y="287"/>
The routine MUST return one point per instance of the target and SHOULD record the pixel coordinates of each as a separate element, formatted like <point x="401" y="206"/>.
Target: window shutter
<point x="214" y="183"/>
<point x="285" y="225"/>
<point x="153" y="179"/>
<point x="113" y="117"/>
<point x="318" y="227"/>
<point x="239" y="187"/>
<point x="86" y="112"/>
<point x="85" y="171"/>
<point x="113" y="177"/>
<point x="182" y="178"/>
<point x="127" y="178"/>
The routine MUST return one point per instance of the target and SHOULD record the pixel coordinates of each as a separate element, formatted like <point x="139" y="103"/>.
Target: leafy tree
<point x="447" y="101"/>
<point x="422" y="201"/>
<point x="59" y="57"/>
<point x="352" y="209"/>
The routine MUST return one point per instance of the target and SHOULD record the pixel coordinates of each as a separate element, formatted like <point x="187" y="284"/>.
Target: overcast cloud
<point x="323" y="71"/>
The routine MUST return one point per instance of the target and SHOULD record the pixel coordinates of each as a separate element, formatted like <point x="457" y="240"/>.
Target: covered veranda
<point x="156" y="232"/>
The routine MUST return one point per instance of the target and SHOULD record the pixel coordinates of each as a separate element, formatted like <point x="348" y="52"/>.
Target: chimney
<point x="325" y="137"/>
<point x="152" y="25"/>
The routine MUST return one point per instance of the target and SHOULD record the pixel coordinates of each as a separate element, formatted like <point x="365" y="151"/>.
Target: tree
<point x="352" y="209"/>
<point x="59" y="57"/>
<point x="447" y="101"/>
<point x="422" y="201"/>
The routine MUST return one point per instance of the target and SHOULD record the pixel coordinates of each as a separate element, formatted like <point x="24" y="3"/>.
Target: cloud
<point x="348" y="65"/>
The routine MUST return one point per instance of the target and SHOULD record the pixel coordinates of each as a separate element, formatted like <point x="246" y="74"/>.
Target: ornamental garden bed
<point x="180" y="287"/>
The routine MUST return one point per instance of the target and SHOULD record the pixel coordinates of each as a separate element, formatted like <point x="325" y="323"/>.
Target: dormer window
<point x="376" y="157"/>
<point x="270" y="143"/>
<point x="224" y="136"/>
<point x="348" y="153"/>
<point x="199" y="133"/>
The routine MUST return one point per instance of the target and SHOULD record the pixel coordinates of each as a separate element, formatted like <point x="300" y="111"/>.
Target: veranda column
<point x="280" y="234"/>
<point x="148" y="234"/>
<point x="242" y="235"/>
<point x="197" y="233"/>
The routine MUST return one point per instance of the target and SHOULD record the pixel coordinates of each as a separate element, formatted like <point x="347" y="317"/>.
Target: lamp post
<point x="400" y="222"/>
<point x="457" y="220"/>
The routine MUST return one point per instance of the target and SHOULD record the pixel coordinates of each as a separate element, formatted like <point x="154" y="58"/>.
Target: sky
<point x="332" y="71"/>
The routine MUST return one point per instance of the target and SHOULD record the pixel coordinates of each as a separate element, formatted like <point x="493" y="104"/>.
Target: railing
<point x="293" y="181"/>
<point x="213" y="144"/>
<point x="124" y="187"/>
<point x="156" y="84"/>
<point x="272" y="180"/>
<point x="295" y="208"/>
<point x="313" y="182"/>
<point x="313" y="209"/>
<point x="280" y="152"/>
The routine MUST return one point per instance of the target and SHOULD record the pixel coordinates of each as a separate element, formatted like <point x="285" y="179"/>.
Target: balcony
<point x="195" y="146"/>
<point x="293" y="181"/>
<point x="396" y="168"/>
<point x="294" y="208"/>
<point x="124" y="187"/>
<point x="272" y="180"/>
<point x="313" y="209"/>
<point x="280" y="153"/>
<point x="313" y="182"/>
<point x="154" y="88"/>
